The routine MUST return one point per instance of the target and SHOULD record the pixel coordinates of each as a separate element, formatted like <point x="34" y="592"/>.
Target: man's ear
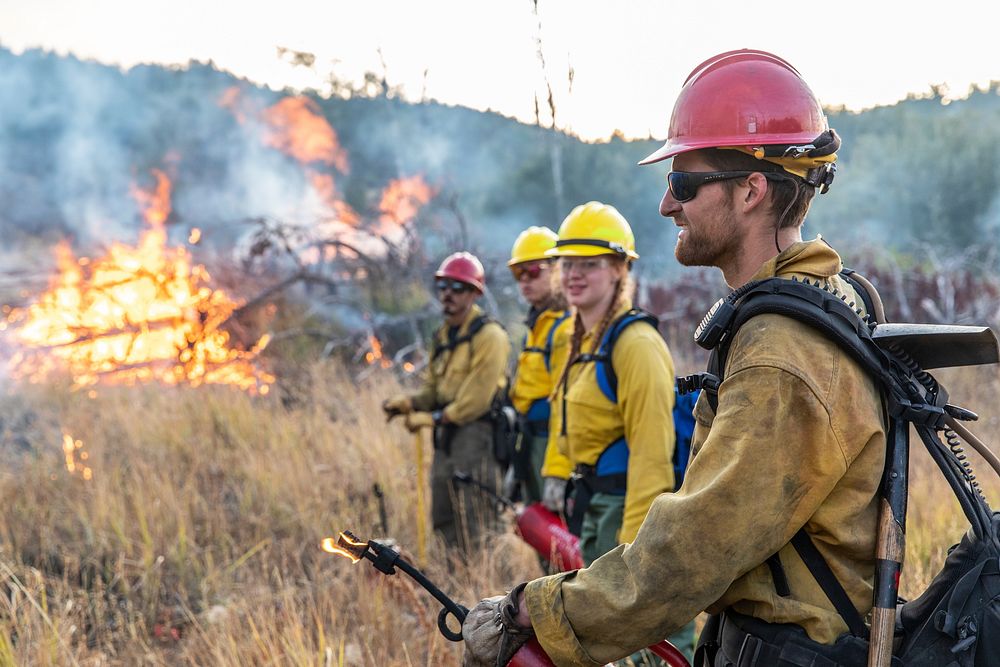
<point x="755" y="192"/>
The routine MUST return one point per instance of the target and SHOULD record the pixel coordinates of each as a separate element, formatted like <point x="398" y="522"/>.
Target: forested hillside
<point x="73" y="135"/>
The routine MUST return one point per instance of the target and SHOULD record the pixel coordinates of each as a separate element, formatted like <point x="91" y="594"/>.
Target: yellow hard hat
<point x="594" y="229"/>
<point x="531" y="245"/>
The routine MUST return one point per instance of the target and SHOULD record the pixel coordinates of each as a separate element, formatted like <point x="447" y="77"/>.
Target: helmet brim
<point x="672" y="148"/>
<point x="586" y="251"/>
<point x="528" y="258"/>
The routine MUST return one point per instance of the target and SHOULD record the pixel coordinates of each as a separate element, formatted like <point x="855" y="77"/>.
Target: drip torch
<point x="546" y="533"/>
<point x="386" y="560"/>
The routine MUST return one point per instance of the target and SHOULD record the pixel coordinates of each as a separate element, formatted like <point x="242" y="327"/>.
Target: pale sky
<point x="629" y="58"/>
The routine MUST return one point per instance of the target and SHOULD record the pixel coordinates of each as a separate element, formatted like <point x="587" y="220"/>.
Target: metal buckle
<point x="798" y="151"/>
<point x="751" y="657"/>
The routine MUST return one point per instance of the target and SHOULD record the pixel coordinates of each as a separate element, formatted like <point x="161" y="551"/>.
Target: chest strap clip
<point x="692" y="383"/>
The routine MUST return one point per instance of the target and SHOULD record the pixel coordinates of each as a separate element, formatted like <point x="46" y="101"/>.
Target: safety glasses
<point x="455" y="286"/>
<point x="684" y="185"/>
<point x="529" y="270"/>
<point x="581" y="264"/>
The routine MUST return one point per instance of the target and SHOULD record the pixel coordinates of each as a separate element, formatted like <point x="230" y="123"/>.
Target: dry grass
<point x="196" y="540"/>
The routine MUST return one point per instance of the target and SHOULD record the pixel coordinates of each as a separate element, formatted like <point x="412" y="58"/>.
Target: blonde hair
<point x="624" y="289"/>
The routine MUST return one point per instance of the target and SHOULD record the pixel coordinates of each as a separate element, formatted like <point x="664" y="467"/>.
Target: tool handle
<point x="891" y="545"/>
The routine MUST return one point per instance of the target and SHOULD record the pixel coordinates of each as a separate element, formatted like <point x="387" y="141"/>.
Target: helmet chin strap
<point x="788" y="207"/>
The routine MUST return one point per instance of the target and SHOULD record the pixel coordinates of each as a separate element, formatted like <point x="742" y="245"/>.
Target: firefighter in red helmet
<point x="465" y="377"/>
<point x="773" y="531"/>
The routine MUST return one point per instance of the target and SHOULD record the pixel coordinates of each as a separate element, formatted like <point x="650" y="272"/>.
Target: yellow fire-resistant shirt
<point x="541" y="360"/>
<point x="798" y="440"/>
<point x="643" y="415"/>
<point x="464" y="380"/>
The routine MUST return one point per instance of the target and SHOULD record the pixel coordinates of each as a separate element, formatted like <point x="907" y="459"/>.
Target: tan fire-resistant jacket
<point x="464" y="380"/>
<point x="798" y="439"/>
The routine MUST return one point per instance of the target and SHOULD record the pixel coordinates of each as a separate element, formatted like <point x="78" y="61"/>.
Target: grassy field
<point x="195" y="539"/>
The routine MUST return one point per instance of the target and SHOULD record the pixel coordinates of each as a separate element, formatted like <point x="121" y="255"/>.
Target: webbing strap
<point x="778" y="575"/>
<point x="474" y="327"/>
<point x="828" y="581"/>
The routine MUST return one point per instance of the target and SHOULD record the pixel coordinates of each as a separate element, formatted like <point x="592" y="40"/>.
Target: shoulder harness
<point x="475" y="326"/>
<point x="607" y="381"/>
<point x="546" y="351"/>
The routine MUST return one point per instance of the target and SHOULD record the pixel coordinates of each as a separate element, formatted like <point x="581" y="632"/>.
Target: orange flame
<point x="73" y="449"/>
<point x="402" y="199"/>
<point x="325" y="187"/>
<point x="195" y="236"/>
<point x="233" y="100"/>
<point x="139" y="313"/>
<point x="297" y="128"/>
<point x="375" y="353"/>
<point x="155" y="203"/>
<point x="346" y="545"/>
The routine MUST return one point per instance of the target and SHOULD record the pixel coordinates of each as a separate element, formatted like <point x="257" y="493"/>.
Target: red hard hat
<point x="465" y="267"/>
<point x="742" y="98"/>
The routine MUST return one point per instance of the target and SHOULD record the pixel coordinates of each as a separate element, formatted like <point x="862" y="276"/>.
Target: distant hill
<point x="75" y="136"/>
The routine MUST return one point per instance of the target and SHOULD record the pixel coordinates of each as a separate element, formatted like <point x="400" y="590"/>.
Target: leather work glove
<point x="418" y="420"/>
<point x="491" y="635"/>
<point x="397" y="405"/>
<point x="554" y="494"/>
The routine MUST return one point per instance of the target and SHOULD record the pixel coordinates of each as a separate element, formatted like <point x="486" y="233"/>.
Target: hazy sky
<point x="629" y="58"/>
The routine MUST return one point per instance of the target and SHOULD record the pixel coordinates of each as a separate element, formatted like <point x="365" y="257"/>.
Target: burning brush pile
<point x="138" y="313"/>
<point x="149" y="311"/>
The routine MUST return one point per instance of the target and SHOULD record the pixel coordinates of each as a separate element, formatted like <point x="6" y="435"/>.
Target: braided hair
<point x="623" y="289"/>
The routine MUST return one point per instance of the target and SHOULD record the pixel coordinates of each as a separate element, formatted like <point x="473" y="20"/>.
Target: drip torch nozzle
<point x="385" y="559"/>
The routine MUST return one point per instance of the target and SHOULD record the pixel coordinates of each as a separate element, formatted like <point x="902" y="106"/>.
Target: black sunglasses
<point x="456" y="286"/>
<point x="684" y="185"/>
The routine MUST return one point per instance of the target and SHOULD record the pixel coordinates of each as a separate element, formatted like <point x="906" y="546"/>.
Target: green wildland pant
<point x="598" y="536"/>
<point x="461" y="513"/>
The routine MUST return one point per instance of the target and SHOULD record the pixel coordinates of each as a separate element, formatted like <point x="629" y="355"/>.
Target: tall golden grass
<point x="196" y="540"/>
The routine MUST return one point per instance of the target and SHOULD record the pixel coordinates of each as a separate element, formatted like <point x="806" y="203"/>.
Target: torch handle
<point x="460" y="613"/>
<point x="450" y="607"/>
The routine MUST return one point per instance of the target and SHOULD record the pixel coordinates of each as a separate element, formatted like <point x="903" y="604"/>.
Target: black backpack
<point x="504" y="426"/>
<point x="956" y="621"/>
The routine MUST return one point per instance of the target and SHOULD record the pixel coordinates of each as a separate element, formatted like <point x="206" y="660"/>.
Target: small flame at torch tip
<point x="346" y="545"/>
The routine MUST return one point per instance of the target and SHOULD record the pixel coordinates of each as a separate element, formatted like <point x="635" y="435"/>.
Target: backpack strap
<point x="475" y="326"/>
<point x="546" y="351"/>
<point x="828" y="581"/>
<point x="607" y="379"/>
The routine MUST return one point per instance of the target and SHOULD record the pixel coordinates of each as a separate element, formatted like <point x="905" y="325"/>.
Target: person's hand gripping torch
<point x="386" y="560"/>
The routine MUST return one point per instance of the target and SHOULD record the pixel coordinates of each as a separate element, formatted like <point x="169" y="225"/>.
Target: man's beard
<point x="708" y="245"/>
